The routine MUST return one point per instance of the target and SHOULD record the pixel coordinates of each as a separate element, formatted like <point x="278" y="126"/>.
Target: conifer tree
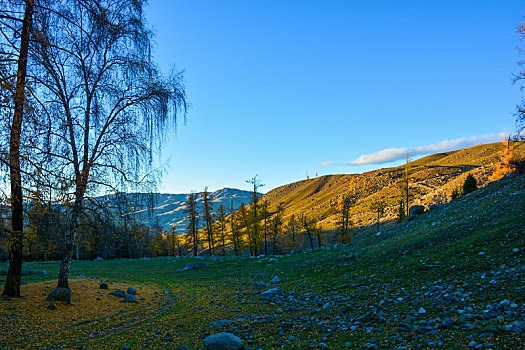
<point x="174" y="241"/>
<point x="379" y="208"/>
<point x="234" y="230"/>
<point x="207" y="208"/>
<point x="470" y="184"/>
<point x="292" y="228"/>
<point x="221" y="221"/>
<point x="401" y="214"/>
<point x="255" y="214"/>
<point x="264" y="213"/>
<point x="193" y="222"/>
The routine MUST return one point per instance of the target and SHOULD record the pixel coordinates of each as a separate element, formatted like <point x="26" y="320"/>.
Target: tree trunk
<point x="274" y="241"/>
<point x="310" y="238"/>
<point x="69" y="247"/>
<point x="14" y="274"/>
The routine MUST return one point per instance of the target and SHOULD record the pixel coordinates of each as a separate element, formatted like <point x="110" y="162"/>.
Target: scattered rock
<point x="194" y="266"/>
<point x="51" y="307"/>
<point x="275" y="280"/>
<point x="270" y="294"/>
<point x="259" y="285"/>
<point x="60" y="294"/>
<point x="118" y="293"/>
<point x="104" y="285"/>
<point x="130" y="298"/>
<point x="223" y="341"/>
<point x="98" y="258"/>
<point x="132" y="290"/>
<point x="416" y="210"/>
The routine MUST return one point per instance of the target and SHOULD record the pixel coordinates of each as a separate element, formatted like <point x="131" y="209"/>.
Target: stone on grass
<point x="259" y="285"/>
<point x="194" y="266"/>
<point x="118" y="293"/>
<point x="51" y="307"/>
<point x="223" y="341"/>
<point x="416" y="210"/>
<point x="275" y="280"/>
<point x="104" y="285"/>
<point x="270" y="294"/>
<point x="132" y="290"/>
<point x="130" y="298"/>
<point x="60" y="294"/>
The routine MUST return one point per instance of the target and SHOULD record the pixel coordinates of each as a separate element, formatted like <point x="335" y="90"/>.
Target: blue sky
<point x="288" y="88"/>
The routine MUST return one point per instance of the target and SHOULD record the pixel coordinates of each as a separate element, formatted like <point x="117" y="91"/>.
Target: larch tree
<point x="254" y="228"/>
<point x="265" y="213"/>
<point x="292" y="227"/>
<point x="174" y="241"/>
<point x="277" y="224"/>
<point x="309" y="225"/>
<point x="404" y="186"/>
<point x="193" y="222"/>
<point x="221" y="221"/>
<point x="207" y="209"/>
<point x="244" y="219"/>
<point x="105" y="102"/>
<point x="379" y="208"/>
<point x="234" y="230"/>
<point x="344" y="203"/>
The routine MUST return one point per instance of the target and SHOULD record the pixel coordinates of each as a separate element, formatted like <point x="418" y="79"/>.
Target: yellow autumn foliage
<point x="28" y="323"/>
<point x="504" y="167"/>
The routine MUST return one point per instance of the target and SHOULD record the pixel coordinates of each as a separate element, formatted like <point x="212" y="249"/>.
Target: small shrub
<point x="456" y="192"/>
<point x="401" y="214"/>
<point x="470" y="184"/>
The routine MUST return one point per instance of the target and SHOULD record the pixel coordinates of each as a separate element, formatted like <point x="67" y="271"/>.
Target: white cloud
<point x="393" y="154"/>
<point x="326" y="163"/>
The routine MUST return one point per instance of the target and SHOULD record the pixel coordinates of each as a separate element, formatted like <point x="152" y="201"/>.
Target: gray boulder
<point x="416" y="210"/>
<point x="130" y="298"/>
<point x="223" y="341"/>
<point x="270" y="294"/>
<point x="118" y="293"/>
<point x="194" y="266"/>
<point x="132" y="291"/>
<point x="60" y="294"/>
<point x="104" y="285"/>
<point x="259" y="285"/>
<point x="275" y="280"/>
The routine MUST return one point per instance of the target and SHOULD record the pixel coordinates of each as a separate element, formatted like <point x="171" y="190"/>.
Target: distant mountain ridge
<point x="168" y="208"/>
